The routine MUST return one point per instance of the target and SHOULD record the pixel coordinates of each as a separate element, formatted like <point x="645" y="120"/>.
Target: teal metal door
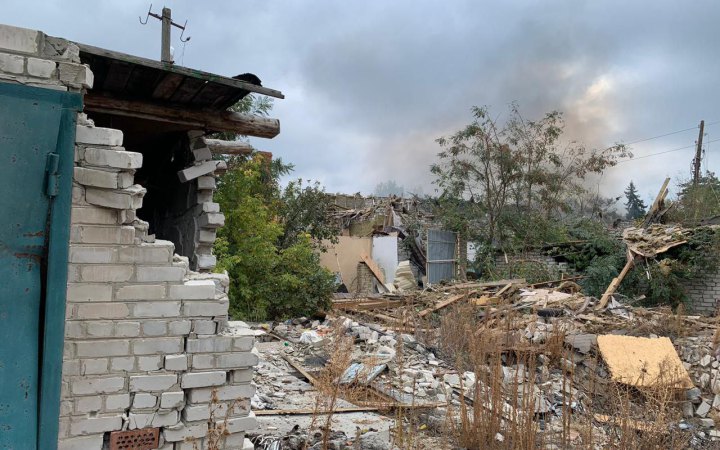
<point x="37" y="129"/>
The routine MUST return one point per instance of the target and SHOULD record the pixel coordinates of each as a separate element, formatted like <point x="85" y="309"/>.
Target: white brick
<point x="98" y="348"/>
<point x="74" y="329"/>
<point x="95" y="234"/>
<point x="176" y="362"/>
<point x="141" y="292"/>
<point x="193" y="290"/>
<point x="182" y="431"/>
<point x="146" y="253"/>
<point x="83" y="292"/>
<point x="94" y="366"/>
<point x="97" y="328"/>
<point x="144" y="400"/>
<point x="117" y="402"/>
<point x="106" y="272"/>
<point x="205" y="308"/>
<point x="211" y="220"/>
<point x="41" y="68"/>
<point x="244" y="343"/>
<point x="196" y="413"/>
<point x="179" y="327"/>
<point x="206" y="182"/>
<point x="125" y="364"/>
<point x="98" y="136"/>
<point x="204" y="326"/>
<point x="21" y="40"/>
<point x="98" y="178"/>
<point x="117" y="159"/>
<point x="240" y="424"/>
<point x="207" y="235"/>
<point x="101" y="310"/>
<point x="127" y="329"/>
<point x="128" y="198"/>
<point x="203" y="395"/>
<point x="206" y="261"/>
<point x="152" y="273"/>
<point x="212" y="344"/>
<point x="203" y="361"/>
<point x="76" y="75"/>
<point x="91" y="255"/>
<point x="202" y="154"/>
<point x="210" y="207"/>
<point x="196" y="171"/>
<point x="170" y="400"/>
<point x="88" y="386"/>
<point x="155" y="328"/>
<point x="165" y="419"/>
<point x="95" y="425"/>
<point x="157" y="346"/>
<point x="140" y="420"/>
<point x="156" y="309"/>
<point x="203" y="379"/>
<point x="236" y="360"/>
<point x="242" y="376"/>
<point x="11" y="63"/>
<point x="94" y="215"/>
<point x="88" y="404"/>
<point x="160" y="382"/>
<point x="149" y="363"/>
<point x="94" y="442"/>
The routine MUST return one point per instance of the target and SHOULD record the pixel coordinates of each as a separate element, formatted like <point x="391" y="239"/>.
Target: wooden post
<point x="698" y="155"/>
<point x="165" y="55"/>
<point x="617" y="280"/>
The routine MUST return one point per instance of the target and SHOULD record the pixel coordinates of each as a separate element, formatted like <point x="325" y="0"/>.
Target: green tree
<point x="305" y="210"/>
<point x="635" y="206"/>
<point x="267" y="279"/>
<point x="388" y="188"/>
<point x="697" y="201"/>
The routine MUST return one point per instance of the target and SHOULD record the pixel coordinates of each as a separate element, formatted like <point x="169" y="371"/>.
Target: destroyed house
<point x="114" y="329"/>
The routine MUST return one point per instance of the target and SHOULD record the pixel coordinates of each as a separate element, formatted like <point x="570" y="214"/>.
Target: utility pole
<point x="167" y="23"/>
<point x="698" y="155"/>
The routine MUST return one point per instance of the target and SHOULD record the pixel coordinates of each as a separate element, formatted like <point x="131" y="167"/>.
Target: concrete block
<point x="204" y="326"/>
<point x="94" y="442"/>
<point x="211" y="220"/>
<point x="98" y="234"/>
<point x="157" y="346"/>
<point x="122" y="364"/>
<point x="128" y="198"/>
<point x="152" y="383"/>
<point x="203" y="361"/>
<point x="41" y="68"/>
<point x="141" y="292"/>
<point x="156" y="309"/>
<point x="181" y="431"/>
<point x="21" y="40"/>
<point x="179" y="327"/>
<point x="85" y="311"/>
<point x="243" y="343"/>
<point x="170" y="400"/>
<point x="176" y="362"/>
<point x="211" y="344"/>
<point x="202" y="379"/>
<point x="94" y="215"/>
<point x="149" y="363"/>
<point x="115" y="158"/>
<point x="143" y="401"/>
<point x="241" y="424"/>
<point x="91" y="255"/>
<point x="98" y="136"/>
<point x="153" y="273"/>
<point x="241" y="376"/>
<point x="193" y="290"/>
<point x="203" y="395"/>
<point x="84" y="292"/>
<point x="97" y="178"/>
<point x="196" y="171"/>
<point x="205" y="308"/>
<point x="206" y="182"/>
<point x="155" y="328"/>
<point x="106" y="272"/>
<point x="117" y="402"/>
<point x="11" y="63"/>
<point x="90" y="386"/>
<point x="100" y="348"/>
<point x="236" y="360"/>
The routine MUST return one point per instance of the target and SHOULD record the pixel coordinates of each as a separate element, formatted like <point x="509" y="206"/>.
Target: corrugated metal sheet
<point x="441" y="255"/>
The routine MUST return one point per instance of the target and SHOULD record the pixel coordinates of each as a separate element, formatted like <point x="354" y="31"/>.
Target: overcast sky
<point x="370" y="85"/>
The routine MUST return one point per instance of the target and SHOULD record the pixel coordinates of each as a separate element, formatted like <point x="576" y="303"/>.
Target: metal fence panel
<point x="441" y="255"/>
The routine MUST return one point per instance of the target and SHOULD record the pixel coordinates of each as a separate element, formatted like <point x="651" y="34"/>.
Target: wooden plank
<point x="199" y="74"/>
<point x="374" y="268"/>
<point x="201" y="119"/>
<point x="488" y="284"/>
<point x="612" y="287"/>
<point x="445" y="303"/>
<point x="659" y="199"/>
<point x="220" y="147"/>
<point x="503" y="290"/>
<point x="300" y="369"/>
<point x="346" y="410"/>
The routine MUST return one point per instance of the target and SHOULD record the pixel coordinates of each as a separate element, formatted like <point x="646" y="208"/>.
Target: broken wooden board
<point x="374" y="268"/>
<point x="445" y="303"/>
<point x="643" y="362"/>
<point x="612" y="287"/>
<point x="486" y="300"/>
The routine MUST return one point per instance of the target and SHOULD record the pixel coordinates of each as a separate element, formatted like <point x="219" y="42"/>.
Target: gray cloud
<point x="370" y="85"/>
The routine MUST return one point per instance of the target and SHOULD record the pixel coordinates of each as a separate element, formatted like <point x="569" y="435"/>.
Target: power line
<point x="668" y="134"/>
<point x="663" y="152"/>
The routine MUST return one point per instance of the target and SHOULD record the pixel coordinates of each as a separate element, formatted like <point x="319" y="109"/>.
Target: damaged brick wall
<point x="703" y="293"/>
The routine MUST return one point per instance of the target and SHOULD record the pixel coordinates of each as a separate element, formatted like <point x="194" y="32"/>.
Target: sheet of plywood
<point x="344" y="257"/>
<point x="643" y="362"/>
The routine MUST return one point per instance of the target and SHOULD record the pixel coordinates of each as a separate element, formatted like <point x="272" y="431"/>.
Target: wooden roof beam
<point x="196" y="119"/>
<point x="220" y="147"/>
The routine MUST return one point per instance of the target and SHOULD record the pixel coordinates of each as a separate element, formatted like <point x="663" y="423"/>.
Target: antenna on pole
<point x="167" y="23"/>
